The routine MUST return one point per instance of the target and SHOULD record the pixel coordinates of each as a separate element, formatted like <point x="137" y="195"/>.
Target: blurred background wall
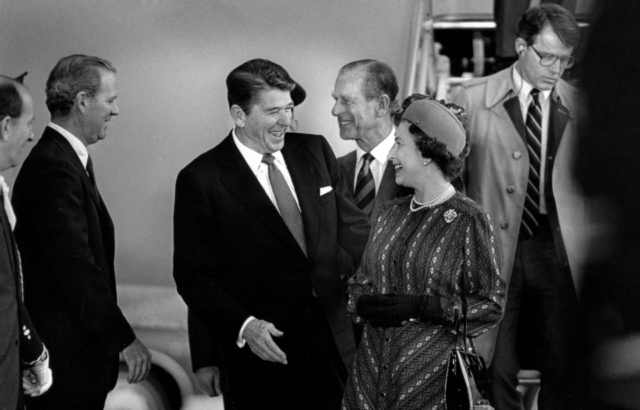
<point x="172" y="58"/>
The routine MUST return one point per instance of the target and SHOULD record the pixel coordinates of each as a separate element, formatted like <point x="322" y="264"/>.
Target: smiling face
<point x="546" y="42"/>
<point x="356" y="115"/>
<point x="264" y="127"/>
<point x="99" y="109"/>
<point x="406" y="158"/>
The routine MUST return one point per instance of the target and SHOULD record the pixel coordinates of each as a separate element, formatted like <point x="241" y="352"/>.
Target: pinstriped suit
<point x="66" y="237"/>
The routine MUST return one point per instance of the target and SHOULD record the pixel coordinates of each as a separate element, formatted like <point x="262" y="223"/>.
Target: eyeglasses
<point x="547" y="60"/>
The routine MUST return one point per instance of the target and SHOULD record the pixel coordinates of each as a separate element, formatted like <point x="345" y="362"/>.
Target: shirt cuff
<point x="240" y="340"/>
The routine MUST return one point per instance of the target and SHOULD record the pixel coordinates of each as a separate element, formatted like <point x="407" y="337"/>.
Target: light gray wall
<point x="172" y="58"/>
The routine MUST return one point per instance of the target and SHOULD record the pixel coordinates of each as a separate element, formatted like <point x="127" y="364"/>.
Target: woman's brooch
<point x="450" y="215"/>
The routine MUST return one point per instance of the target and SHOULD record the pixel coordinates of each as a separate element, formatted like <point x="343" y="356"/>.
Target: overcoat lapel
<point x="558" y="118"/>
<point x="308" y="193"/>
<point x="244" y="185"/>
<point x="512" y="105"/>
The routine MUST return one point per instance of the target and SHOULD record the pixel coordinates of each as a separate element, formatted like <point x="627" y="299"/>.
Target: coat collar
<point x="500" y="87"/>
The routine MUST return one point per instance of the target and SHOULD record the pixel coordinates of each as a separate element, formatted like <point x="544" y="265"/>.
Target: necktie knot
<point x="367" y="158"/>
<point x="535" y="94"/>
<point x="268" y="159"/>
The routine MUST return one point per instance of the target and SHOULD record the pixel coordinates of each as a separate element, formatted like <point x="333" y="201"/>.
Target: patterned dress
<point x="422" y="253"/>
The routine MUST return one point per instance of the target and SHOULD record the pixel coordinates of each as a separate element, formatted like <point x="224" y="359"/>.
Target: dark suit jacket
<point x="235" y="257"/>
<point x="66" y="239"/>
<point x="388" y="189"/>
<point x="16" y="346"/>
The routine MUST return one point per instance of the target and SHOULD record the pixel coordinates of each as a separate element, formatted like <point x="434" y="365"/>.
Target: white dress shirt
<point x="261" y="171"/>
<point x="525" y="98"/>
<point x="76" y="144"/>
<point x="380" y="153"/>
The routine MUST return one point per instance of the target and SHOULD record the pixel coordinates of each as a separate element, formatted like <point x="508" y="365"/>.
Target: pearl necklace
<point x="415" y="206"/>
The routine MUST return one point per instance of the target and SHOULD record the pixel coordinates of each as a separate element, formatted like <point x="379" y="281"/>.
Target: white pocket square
<point x="325" y="189"/>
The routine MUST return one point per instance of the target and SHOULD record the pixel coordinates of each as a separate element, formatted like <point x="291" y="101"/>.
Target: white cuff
<point x="240" y="340"/>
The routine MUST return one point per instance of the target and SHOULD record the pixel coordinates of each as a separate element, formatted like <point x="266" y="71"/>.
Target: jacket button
<point x="504" y="225"/>
<point x="383" y="394"/>
<point x="386" y="339"/>
<point x="385" y="367"/>
<point x="511" y="189"/>
<point x="517" y="154"/>
<point x="17" y="342"/>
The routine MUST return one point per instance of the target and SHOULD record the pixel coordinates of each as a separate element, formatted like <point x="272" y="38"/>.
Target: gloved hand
<point x="37" y="377"/>
<point x="391" y="310"/>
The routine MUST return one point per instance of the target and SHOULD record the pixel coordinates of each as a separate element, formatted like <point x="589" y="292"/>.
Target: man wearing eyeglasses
<point x="522" y="128"/>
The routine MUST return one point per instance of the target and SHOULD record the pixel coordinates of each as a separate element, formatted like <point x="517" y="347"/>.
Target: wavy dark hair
<point x="431" y="148"/>
<point x="534" y="20"/>
<point x="246" y="81"/>
<point x="10" y="98"/>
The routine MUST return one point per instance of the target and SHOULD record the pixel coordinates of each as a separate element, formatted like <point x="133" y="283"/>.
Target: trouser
<point x="68" y="400"/>
<point x="541" y="305"/>
<point x="313" y="378"/>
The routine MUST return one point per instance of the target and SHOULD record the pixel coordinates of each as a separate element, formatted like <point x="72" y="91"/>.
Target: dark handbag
<point x="467" y="383"/>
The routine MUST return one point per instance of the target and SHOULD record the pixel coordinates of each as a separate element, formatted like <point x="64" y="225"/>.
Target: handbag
<point x="467" y="383"/>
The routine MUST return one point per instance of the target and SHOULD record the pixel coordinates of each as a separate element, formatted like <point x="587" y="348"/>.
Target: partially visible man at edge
<point x="22" y="355"/>
<point x="66" y="237"/>
<point x="522" y="124"/>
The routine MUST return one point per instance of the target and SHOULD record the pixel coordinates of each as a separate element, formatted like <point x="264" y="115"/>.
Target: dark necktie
<point x="531" y="213"/>
<point x="365" y="191"/>
<point x="92" y="175"/>
<point x="286" y="202"/>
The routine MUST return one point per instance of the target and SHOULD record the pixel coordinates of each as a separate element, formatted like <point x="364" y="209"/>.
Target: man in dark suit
<point x="66" y="238"/>
<point x="365" y="103"/>
<point x="22" y="354"/>
<point x="257" y="222"/>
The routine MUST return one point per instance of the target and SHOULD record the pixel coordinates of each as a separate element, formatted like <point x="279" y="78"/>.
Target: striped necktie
<point x="365" y="191"/>
<point x="531" y="212"/>
<point x="286" y="202"/>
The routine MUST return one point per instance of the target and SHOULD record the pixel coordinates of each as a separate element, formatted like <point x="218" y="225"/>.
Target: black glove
<point x="391" y="310"/>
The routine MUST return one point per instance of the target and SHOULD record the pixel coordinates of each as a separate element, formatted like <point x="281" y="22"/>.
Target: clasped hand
<point x="258" y="335"/>
<point x="390" y="310"/>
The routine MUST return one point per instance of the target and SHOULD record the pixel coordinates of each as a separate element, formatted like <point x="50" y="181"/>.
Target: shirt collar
<point x="523" y="89"/>
<point x="254" y="158"/>
<point x="381" y="151"/>
<point x="76" y="144"/>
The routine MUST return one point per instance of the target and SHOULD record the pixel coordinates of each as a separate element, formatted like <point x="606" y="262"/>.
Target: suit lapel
<point x="308" y="193"/>
<point x="244" y="185"/>
<point x="350" y="168"/>
<point x="512" y="105"/>
<point x="72" y="156"/>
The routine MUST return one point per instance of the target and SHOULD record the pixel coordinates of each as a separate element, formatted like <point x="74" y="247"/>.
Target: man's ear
<point x="383" y="105"/>
<point x="5" y="125"/>
<point x="520" y="45"/>
<point x="82" y="101"/>
<point x="238" y="115"/>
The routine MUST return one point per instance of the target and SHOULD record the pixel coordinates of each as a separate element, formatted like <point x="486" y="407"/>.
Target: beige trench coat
<point x="497" y="169"/>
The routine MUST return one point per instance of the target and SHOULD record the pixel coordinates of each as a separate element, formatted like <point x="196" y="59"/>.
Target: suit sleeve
<point x="195" y="258"/>
<point x="55" y="204"/>
<point x="353" y="224"/>
<point x="31" y="347"/>
<point x="202" y="343"/>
